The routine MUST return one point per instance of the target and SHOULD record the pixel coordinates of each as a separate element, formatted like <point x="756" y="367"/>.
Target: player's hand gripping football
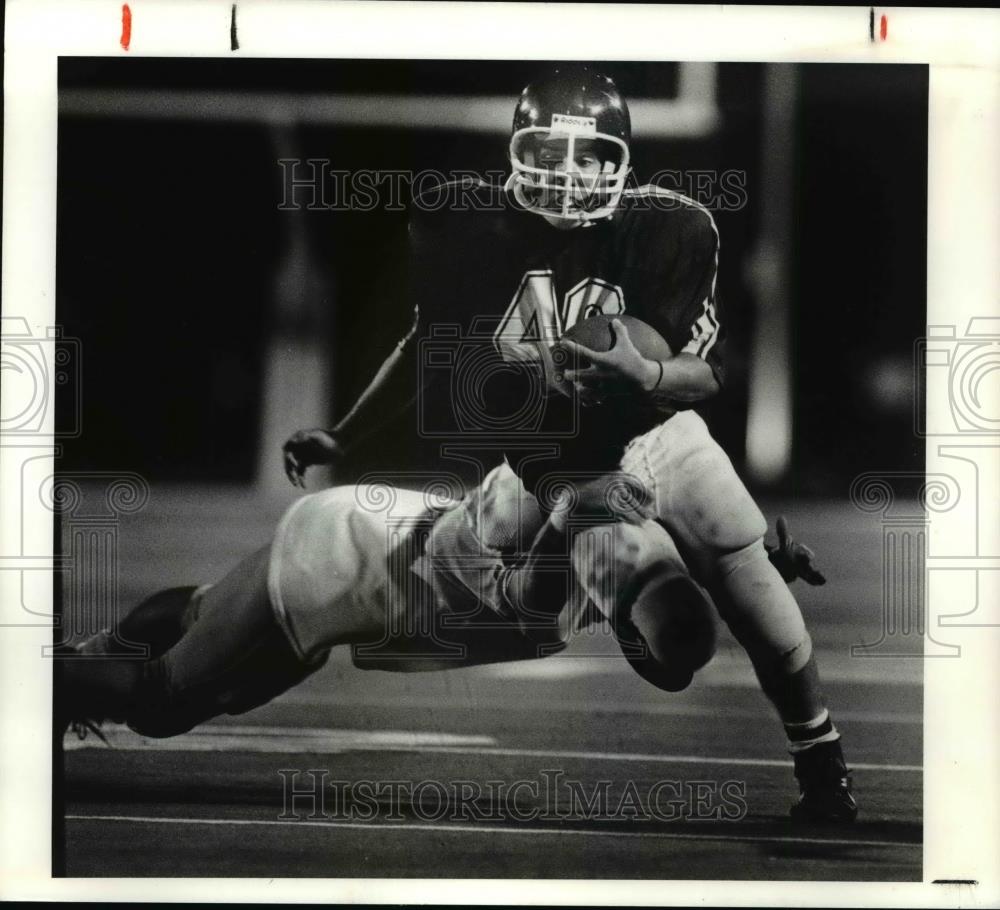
<point x="620" y="370"/>
<point x="793" y="559"/>
<point x="308" y="447"/>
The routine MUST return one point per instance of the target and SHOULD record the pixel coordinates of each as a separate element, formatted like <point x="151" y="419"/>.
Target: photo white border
<point x="962" y="789"/>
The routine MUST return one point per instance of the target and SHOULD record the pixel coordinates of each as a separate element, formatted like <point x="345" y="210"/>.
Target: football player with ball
<point x="604" y="297"/>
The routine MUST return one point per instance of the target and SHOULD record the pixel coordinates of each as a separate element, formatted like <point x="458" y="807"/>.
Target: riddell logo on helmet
<point x="577" y="124"/>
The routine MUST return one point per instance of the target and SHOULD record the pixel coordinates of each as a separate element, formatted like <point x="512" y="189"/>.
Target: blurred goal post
<point x="297" y="370"/>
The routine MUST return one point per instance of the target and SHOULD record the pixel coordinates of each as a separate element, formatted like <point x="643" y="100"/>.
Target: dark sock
<point x="149" y="629"/>
<point x="159" y="620"/>
<point x="797" y="696"/>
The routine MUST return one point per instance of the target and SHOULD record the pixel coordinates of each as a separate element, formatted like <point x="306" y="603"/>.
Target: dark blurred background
<point x="214" y="323"/>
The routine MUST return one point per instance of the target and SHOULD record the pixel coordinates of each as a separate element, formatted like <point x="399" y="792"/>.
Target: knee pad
<point x="733" y="560"/>
<point x="795" y="658"/>
<point x="774" y="666"/>
<point x="762" y="611"/>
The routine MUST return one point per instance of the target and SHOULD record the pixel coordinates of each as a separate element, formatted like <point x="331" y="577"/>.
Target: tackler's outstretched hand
<point x="305" y="448"/>
<point x="793" y="559"/>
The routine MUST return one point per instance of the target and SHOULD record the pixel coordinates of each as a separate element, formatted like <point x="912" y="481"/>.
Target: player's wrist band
<point x="656" y="384"/>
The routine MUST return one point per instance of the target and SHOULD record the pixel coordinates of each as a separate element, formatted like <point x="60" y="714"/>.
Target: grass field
<point x="213" y="802"/>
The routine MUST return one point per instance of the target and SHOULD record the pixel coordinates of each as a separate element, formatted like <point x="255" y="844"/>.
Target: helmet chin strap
<point x="568" y="222"/>
<point x="517" y="185"/>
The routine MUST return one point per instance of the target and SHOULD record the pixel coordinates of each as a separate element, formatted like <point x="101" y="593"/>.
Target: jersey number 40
<point x="534" y="315"/>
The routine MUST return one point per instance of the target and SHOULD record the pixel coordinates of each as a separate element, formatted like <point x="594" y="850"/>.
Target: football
<point x="602" y="430"/>
<point x="598" y="334"/>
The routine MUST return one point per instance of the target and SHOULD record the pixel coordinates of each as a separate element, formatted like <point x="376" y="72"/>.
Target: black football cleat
<point x="824" y="785"/>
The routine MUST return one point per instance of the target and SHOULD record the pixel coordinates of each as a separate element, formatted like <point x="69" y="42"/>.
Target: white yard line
<point x="724" y="670"/>
<point x="491" y="829"/>
<point x="219" y="738"/>
<point x="661" y="759"/>
<point x="290" y="740"/>
<point x="668" y="707"/>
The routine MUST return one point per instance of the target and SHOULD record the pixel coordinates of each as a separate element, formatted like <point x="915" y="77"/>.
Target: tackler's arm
<point x="391" y="391"/>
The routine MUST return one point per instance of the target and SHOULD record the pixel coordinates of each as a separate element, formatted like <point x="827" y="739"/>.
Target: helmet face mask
<point x="576" y="176"/>
<point x="569" y="151"/>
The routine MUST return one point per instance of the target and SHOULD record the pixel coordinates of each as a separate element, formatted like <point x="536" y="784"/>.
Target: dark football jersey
<point x="492" y="282"/>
